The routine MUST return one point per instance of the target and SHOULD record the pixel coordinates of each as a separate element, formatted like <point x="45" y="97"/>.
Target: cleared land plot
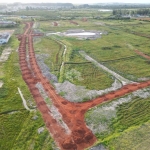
<point x="88" y="75"/>
<point x="53" y="53"/>
<point x="132" y="68"/>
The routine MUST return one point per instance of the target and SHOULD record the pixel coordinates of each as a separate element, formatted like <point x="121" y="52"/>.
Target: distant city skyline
<point x="75" y="1"/>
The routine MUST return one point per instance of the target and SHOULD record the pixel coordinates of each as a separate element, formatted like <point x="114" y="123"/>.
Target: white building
<point x="4" y="38"/>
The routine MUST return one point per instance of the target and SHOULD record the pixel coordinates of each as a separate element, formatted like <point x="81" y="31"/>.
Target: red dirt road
<point x="73" y="22"/>
<point x="79" y="136"/>
<point x="142" y="54"/>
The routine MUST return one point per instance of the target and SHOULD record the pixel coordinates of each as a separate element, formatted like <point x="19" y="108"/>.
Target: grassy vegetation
<point x="91" y="78"/>
<point x="64" y="25"/>
<point x="122" y="128"/>
<point x="54" y="52"/>
<point x="87" y="75"/>
<point x="136" y="138"/>
<point x="19" y="131"/>
<point x="116" y="51"/>
<point x="62" y="13"/>
<point x="19" y="29"/>
<point x="29" y="138"/>
<point x="11" y="125"/>
<point x="132" y="114"/>
<point x="107" y="47"/>
<point x="132" y="68"/>
<point x="17" y="128"/>
<point x="121" y="122"/>
<point x="12" y="80"/>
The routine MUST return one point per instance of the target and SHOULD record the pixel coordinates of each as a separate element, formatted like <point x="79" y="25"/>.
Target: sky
<point x="75" y="1"/>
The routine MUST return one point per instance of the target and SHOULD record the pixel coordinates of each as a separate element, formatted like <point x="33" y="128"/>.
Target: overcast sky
<point x="75" y="1"/>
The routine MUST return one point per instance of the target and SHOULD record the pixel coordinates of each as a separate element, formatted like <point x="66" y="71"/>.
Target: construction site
<point x="75" y="78"/>
<point x="75" y="134"/>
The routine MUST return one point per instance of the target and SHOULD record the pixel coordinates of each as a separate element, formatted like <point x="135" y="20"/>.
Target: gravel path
<point x="75" y="93"/>
<point x="1" y="84"/>
<point x="117" y="76"/>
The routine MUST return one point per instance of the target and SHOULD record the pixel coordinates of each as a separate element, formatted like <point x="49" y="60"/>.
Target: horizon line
<point x="77" y="3"/>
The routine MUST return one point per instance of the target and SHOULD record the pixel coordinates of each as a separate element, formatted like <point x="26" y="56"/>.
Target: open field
<point x="129" y="68"/>
<point x="137" y="138"/>
<point x="60" y="103"/>
<point x="89" y="76"/>
<point x="118" y="119"/>
<point x="117" y="55"/>
<point x="17" y="128"/>
<point x="53" y="51"/>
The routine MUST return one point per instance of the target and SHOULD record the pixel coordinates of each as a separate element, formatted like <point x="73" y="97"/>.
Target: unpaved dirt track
<point x="80" y="136"/>
<point x="142" y="54"/>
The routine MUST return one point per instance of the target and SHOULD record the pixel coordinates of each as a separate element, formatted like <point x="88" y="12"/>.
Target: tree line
<point x="124" y="12"/>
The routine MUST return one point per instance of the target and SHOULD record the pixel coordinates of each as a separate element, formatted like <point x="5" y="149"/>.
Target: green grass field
<point x="131" y="68"/>
<point x="88" y="75"/>
<point x="120" y="124"/>
<point x="134" y="139"/>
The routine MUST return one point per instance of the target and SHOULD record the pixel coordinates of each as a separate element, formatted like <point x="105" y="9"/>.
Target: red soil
<point x="142" y="54"/>
<point x="144" y="18"/>
<point x="73" y="22"/>
<point x="55" y="24"/>
<point x="79" y="137"/>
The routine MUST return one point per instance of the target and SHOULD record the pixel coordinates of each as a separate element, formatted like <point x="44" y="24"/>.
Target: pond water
<point x="81" y="34"/>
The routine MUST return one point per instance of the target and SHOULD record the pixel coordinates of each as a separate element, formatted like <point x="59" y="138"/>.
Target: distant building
<point x="7" y="23"/>
<point x="4" y="38"/>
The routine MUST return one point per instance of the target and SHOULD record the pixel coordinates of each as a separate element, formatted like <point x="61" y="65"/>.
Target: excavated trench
<point x="80" y="136"/>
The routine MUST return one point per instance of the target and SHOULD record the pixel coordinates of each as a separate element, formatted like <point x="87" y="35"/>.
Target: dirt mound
<point x="68" y="144"/>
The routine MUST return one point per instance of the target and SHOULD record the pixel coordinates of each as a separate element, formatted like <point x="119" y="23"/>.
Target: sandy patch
<point x="1" y="84"/>
<point x="5" y="54"/>
<point x="75" y="93"/>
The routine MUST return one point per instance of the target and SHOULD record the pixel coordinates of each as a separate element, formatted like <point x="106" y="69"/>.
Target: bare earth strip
<point x="117" y="76"/>
<point x="1" y="84"/>
<point x="5" y="54"/>
<point x="23" y="100"/>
